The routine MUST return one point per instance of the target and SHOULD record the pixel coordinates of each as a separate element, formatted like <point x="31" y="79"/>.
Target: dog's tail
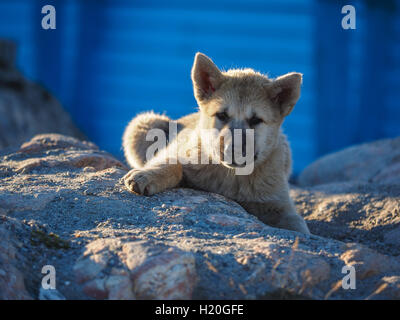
<point x="134" y="140"/>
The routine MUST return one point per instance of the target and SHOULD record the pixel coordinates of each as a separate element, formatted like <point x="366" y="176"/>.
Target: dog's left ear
<point x="284" y="91"/>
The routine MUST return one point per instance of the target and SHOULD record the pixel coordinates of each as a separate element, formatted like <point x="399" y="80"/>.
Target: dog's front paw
<point x="141" y="182"/>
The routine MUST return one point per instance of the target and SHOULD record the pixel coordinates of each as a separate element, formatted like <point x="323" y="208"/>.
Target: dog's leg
<point x="277" y="214"/>
<point x="150" y="180"/>
<point x="160" y="173"/>
<point x="292" y="221"/>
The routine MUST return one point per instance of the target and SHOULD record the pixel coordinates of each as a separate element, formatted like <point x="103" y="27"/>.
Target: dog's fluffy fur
<point x="242" y="94"/>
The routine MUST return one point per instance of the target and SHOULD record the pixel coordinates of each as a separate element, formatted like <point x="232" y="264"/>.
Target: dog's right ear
<point x="206" y="77"/>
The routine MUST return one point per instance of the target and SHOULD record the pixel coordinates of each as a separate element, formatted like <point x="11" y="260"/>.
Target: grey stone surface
<point x="368" y="213"/>
<point x="26" y="108"/>
<point x="62" y="203"/>
<point x="377" y="161"/>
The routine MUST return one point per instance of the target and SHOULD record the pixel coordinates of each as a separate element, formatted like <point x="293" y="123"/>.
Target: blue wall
<point x="358" y="83"/>
<point x="108" y="60"/>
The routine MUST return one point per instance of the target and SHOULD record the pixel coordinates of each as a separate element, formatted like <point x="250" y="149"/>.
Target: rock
<point x="26" y="108"/>
<point x="387" y="288"/>
<point x="46" y="142"/>
<point x="354" y="195"/>
<point x="157" y="272"/>
<point x="353" y="212"/>
<point x="368" y="262"/>
<point x="12" y="284"/>
<point x="160" y="272"/>
<point x="107" y="243"/>
<point x="119" y="288"/>
<point x="378" y="162"/>
<point x="50" y="294"/>
<point x="392" y="237"/>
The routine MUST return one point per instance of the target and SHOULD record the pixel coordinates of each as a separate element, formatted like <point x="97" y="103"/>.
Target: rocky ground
<point x="62" y="203"/>
<point x="354" y="195"/>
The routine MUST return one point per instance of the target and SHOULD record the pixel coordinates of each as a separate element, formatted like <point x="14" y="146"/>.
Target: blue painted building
<point x="108" y="60"/>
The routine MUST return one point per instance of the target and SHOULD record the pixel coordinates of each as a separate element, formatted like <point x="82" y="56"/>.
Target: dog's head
<point x="242" y="99"/>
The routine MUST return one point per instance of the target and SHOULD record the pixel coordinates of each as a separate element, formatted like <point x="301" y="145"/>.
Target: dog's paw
<point x="141" y="182"/>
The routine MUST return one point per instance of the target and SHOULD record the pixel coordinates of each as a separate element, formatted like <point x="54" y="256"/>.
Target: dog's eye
<point x="254" y="121"/>
<point x="222" y="116"/>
